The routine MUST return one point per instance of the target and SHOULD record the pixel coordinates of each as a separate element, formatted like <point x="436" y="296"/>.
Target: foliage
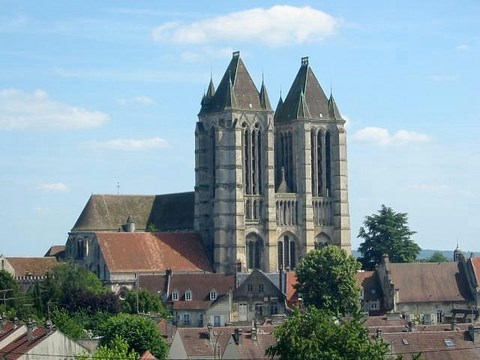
<point x="71" y="276"/>
<point x="117" y="349"/>
<point x="140" y="333"/>
<point x="317" y="335"/>
<point x="82" y="299"/>
<point x="9" y="289"/>
<point x="326" y="279"/>
<point x="437" y="257"/>
<point x="67" y="324"/>
<point x="386" y="233"/>
<point x="145" y="301"/>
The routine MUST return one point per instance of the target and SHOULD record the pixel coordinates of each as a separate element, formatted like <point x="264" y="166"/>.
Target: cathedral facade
<point x="269" y="185"/>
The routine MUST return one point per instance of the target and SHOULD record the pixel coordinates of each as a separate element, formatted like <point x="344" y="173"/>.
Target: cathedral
<point x="270" y="185"/>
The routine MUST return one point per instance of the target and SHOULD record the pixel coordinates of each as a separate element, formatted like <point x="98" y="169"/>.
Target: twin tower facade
<point x="270" y="185"/>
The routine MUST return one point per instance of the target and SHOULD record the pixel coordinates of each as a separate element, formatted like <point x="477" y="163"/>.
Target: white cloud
<point x="141" y="99"/>
<point x="381" y="136"/>
<point x="130" y="144"/>
<point x="21" y="110"/>
<point x="54" y="187"/>
<point x="280" y="25"/>
<point x="206" y="53"/>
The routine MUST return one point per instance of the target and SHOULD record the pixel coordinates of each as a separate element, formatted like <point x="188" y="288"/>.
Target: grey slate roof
<point x="306" y="99"/>
<point x="235" y="91"/>
<point x="169" y="212"/>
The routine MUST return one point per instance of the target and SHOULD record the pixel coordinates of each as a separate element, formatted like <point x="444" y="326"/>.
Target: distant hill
<point x="426" y="253"/>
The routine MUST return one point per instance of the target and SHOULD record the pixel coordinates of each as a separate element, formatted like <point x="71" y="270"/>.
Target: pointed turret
<point x="333" y="110"/>
<point x="315" y="100"/>
<point x="279" y="104"/>
<point x="264" y="100"/>
<point x="207" y="98"/>
<point x="236" y="90"/>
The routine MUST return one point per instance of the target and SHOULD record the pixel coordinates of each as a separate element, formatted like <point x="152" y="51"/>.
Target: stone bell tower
<point x="269" y="187"/>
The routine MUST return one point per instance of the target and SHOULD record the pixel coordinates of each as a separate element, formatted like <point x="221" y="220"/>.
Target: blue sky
<point x="95" y="94"/>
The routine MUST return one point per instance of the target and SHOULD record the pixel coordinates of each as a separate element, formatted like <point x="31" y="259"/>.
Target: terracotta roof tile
<point x="22" y="345"/>
<point x="429" y="282"/>
<point x="476" y="267"/>
<point x="153" y="252"/>
<point x="438" y="345"/>
<point x="147" y="355"/>
<point x="32" y="266"/>
<point x="56" y="250"/>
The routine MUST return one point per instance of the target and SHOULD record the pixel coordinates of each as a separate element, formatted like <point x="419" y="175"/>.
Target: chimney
<point x="379" y="333"/>
<point x="474" y="332"/>
<point x="254" y="334"/>
<point x="30" y="328"/>
<point x="129" y="226"/>
<point x="237" y="336"/>
<point x="15" y="322"/>
<point x="48" y="326"/>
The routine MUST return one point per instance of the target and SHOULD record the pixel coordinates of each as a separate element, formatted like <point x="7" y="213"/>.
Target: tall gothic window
<point x="328" y="164"/>
<point x="287" y="254"/>
<point x="284" y="159"/>
<point x="254" y="252"/>
<point x="252" y="160"/>
<point x="212" y="161"/>
<point x="316" y="162"/>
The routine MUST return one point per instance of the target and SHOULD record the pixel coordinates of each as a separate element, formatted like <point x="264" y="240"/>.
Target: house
<point x="119" y="257"/>
<point x="221" y="343"/>
<point x="259" y="296"/>
<point x="370" y="292"/>
<point x="195" y="299"/>
<point x="424" y="292"/>
<point x="32" y="342"/>
<point x="27" y="270"/>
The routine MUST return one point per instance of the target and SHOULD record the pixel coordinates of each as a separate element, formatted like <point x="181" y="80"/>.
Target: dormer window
<point x="175" y="295"/>
<point x="188" y="295"/>
<point x="213" y="295"/>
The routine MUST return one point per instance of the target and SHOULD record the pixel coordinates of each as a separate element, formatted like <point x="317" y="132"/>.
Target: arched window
<point x="287" y="253"/>
<point x="188" y="295"/>
<point x="254" y="252"/>
<point x="328" y="164"/>
<point x="212" y="163"/>
<point x="322" y="240"/>
<point x="175" y="295"/>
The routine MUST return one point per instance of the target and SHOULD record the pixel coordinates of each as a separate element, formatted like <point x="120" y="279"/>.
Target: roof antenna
<point x="118" y="187"/>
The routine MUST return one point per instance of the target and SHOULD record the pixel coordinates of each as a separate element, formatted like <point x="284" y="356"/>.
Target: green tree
<point x="437" y="257"/>
<point x="144" y="302"/>
<point x="317" y="335"/>
<point x="117" y="349"/>
<point x="386" y="233"/>
<point x="140" y="333"/>
<point x="68" y="324"/>
<point x="72" y="277"/>
<point x="9" y="291"/>
<point x="326" y="279"/>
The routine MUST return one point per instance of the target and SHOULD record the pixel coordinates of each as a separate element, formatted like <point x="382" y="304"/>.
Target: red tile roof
<point x="149" y="252"/>
<point x="22" y="345"/>
<point x="434" y="345"/>
<point x="429" y="282"/>
<point x="476" y="267"/>
<point x="147" y="355"/>
<point x="32" y="266"/>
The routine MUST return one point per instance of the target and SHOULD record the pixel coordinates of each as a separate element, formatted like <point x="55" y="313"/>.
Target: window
<point x="258" y="309"/>
<point x="213" y="295"/>
<point x="260" y="288"/>
<point x="274" y="307"/>
<point x="439" y="316"/>
<point x="373" y="305"/>
<point x="286" y="253"/>
<point x="186" y="319"/>
<point x="217" y="320"/>
<point x="175" y="295"/>
<point x="250" y="287"/>
<point x="188" y="295"/>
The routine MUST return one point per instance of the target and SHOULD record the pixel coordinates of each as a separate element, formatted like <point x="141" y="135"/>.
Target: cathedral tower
<point x="269" y="187"/>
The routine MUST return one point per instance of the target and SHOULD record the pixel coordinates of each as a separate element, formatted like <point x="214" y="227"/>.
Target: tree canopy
<point x="326" y="279"/>
<point x="437" y="257"/>
<point x="386" y="233"/>
<point x="141" y="334"/>
<point x="317" y="335"/>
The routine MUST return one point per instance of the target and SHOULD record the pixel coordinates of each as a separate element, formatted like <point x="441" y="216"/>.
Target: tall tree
<point x="117" y="349"/>
<point x="437" y="257"/>
<point x="317" y="335"/>
<point x="326" y="279"/>
<point x="386" y="233"/>
<point x="140" y="333"/>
